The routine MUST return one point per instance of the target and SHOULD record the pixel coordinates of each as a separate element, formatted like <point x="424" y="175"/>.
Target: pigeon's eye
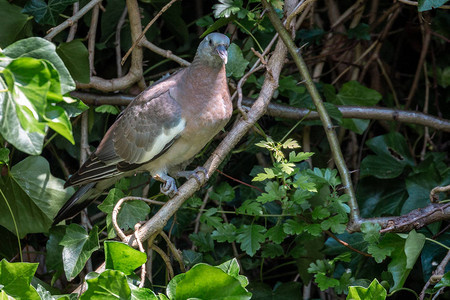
<point x="210" y="42"/>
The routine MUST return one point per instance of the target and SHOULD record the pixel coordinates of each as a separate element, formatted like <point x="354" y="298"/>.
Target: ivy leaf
<point x="46" y="13"/>
<point x="226" y="8"/>
<point x="425" y="5"/>
<point x="76" y="58"/>
<point x="121" y="257"/>
<point x="250" y="237"/>
<point x="78" y="247"/>
<point x="375" y="291"/>
<point x="224" y="233"/>
<point x="236" y="62"/>
<point x="12" y="22"/>
<point x="110" y="284"/>
<point x="15" y="280"/>
<point x="413" y="247"/>
<point x="131" y="213"/>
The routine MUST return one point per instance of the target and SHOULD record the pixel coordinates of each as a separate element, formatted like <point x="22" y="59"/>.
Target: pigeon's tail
<point x="79" y="200"/>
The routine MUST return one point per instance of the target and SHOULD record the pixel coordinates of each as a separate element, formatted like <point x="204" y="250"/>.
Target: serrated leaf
<point x="222" y="193"/>
<point x="320" y="212"/>
<point x="227" y="8"/>
<point x="250" y="207"/>
<point x="224" y="233"/>
<point x="250" y="237"/>
<point x="293" y="227"/>
<point x="203" y="241"/>
<point x="107" y="109"/>
<point x="290" y="144"/>
<point x="293" y="157"/>
<point x="272" y="251"/>
<point x="276" y="234"/>
<point x="371" y="232"/>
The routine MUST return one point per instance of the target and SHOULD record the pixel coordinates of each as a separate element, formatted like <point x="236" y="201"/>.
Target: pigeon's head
<point x="213" y="49"/>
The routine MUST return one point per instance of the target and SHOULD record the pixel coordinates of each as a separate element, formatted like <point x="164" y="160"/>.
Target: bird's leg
<point x="168" y="186"/>
<point x="189" y="174"/>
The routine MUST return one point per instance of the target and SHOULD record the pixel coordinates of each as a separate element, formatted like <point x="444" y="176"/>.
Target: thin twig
<point x="439" y="271"/>
<point x="330" y="234"/>
<point x="434" y="194"/>
<point x="174" y="251"/>
<point x="117" y="41"/>
<point x="324" y="117"/>
<point x="141" y="248"/>
<point x="200" y="212"/>
<point x="239" y="181"/>
<point x="239" y="89"/>
<point x="91" y="38"/>
<point x="73" y="28"/>
<point x="70" y="21"/>
<point x="166" y="260"/>
<point x="138" y="40"/>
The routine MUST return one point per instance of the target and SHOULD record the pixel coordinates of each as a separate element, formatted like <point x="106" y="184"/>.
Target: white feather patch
<point x="161" y="140"/>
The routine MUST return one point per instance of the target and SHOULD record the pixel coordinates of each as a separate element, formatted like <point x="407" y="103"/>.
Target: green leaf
<point x="371" y="232"/>
<point x="222" y="193"/>
<point x="360" y="32"/>
<point x="53" y="259"/>
<point x="268" y="174"/>
<point x="413" y="247"/>
<point x="121" y="257"/>
<point x="114" y="195"/>
<point x="294" y="158"/>
<point x="224" y="233"/>
<point x="191" y="258"/>
<point x="138" y="293"/>
<point x="132" y="212"/>
<point x="293" y="227"/>
<point x="375" y="291"/>
<point x="33" y="194"/>
<point x="46" y="13"/>
<point x="107" y="109"/>
<point x="12" y="22"/>
<point x="231" y="267"/>
<point x="272" y="251"/>
<point x="250" y="207"/>
<point x="320" y="212"/>
<point x="250" y="237"/>
<point x="76" y="58"/>
<point x="227" y="8"/>
<point x="78" y="247"/>
<point x="353" y="93"/>
<point x="324" y="282"/>
<point x="276" y="234"/>
<point x="110" y="284"/>
<point x="206" y="282"/>
<point x="203" y="241"/>
<point x="314" y="229"/>
<point x="236" y="62"/>
<point x="425" y="5"/>
<point x="15" y="279"/>
<point x="209" y="218"/>
<point x="274" y="192"/>
<point x="4" y="156"/>
<point x="392" y="156"/>
<point x="379" y="253"/>
<point x="40" y="48"/>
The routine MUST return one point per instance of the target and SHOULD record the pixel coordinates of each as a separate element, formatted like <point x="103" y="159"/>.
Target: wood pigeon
<point x="161" y="130"/>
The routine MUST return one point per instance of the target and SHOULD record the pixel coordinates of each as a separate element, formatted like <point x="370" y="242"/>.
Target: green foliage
<point x="30" y="197"/>
<point x="78" y="247"/>
<point x="375" y="291"/>
<point x="119" y="256"/>
<point x="15" y="279"/>
<point x="425" y="5"/>
<point x="46" y="13"/>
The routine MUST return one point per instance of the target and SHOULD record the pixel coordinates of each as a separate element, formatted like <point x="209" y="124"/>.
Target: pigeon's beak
<point x="222" y="51"/>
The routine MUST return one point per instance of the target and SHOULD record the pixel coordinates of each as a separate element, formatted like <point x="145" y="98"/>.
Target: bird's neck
<point x="201" y="75"/>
